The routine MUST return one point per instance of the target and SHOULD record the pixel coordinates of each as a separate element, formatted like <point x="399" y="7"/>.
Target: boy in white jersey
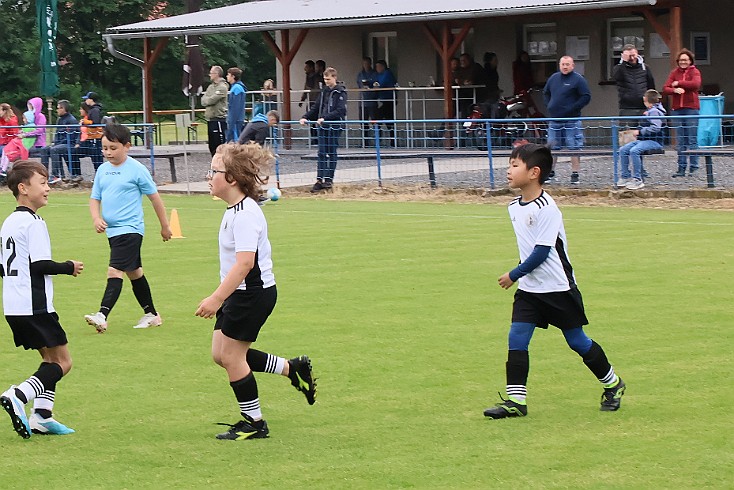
<point x="26" y="267"/>
<point x="547" y="292"/>
<point x="117" y="210"/>
<point x="246" y="294"/>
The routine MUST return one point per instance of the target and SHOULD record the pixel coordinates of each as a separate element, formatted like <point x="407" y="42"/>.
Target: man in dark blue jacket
<point x="329" y="111"/>
<point x="64" y="140"/>
<point x="235" y="104"/>
<point x="566" y="93"/>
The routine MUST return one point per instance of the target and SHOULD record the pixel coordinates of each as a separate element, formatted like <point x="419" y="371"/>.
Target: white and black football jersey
<point x="244" y="229"/>
<point x="539" y="222"/>
<point x="25" y="240"/>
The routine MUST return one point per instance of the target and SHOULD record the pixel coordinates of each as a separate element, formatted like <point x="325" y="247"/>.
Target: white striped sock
<point x="251" y="408"/>
<point x="610" y="379"/>
<point x="517" y="392"/>
<point x="45" y="401"/>
<point x="275" y="364"/>
<point x="31" y="388"/>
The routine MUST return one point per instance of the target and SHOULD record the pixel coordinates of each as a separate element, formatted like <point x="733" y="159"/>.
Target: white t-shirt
<point x="25" y="240"/>
<point x="244" y="229"/>
<point x="539" y="222"/>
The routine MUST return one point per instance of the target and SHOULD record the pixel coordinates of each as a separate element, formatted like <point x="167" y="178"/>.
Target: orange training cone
<point x="175" y="225"/>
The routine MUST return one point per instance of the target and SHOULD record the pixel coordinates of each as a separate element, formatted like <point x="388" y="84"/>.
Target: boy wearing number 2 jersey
<point x="26" y="268"/>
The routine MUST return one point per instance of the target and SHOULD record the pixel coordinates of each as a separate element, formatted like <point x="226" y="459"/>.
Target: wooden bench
<point x="709" y="154"/>
<point x="168" y="155"/>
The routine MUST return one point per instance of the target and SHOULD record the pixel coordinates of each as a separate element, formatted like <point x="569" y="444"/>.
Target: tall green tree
<point x="85" y="63"/>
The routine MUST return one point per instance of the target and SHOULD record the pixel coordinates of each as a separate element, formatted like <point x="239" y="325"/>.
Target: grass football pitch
<point x="398" y="306"/>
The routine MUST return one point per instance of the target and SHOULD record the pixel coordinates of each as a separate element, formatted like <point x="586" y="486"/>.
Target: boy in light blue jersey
<point x="120" y="183"/>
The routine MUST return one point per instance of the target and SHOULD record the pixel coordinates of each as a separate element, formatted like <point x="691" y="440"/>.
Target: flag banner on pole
<point x="48" y="19"/>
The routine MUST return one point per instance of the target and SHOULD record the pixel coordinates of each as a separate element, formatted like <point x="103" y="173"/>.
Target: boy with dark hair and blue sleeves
<point x="120" y="183"/>
<point x="547" y="292"/>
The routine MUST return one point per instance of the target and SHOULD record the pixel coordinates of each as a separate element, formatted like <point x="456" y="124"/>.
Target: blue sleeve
<point x="540" y="253"/>
<point x="145" y="181"/>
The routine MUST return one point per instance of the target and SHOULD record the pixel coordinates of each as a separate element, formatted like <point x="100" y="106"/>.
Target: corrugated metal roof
<point x="268" y="15"/>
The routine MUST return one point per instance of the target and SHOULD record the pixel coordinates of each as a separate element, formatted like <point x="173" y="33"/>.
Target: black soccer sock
<point x="245" y="390"/>
<point x="257" y="360"/>
<point x="48" y="374"/>
<point x="262" y="362"/>
<point x="596" y="361"/>
<point x="111" y="295"/>
<point x="517" y="369"/>
<point x="141" y="289"/>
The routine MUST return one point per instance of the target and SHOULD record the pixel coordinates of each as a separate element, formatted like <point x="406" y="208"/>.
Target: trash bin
<point x="709" y="129"/>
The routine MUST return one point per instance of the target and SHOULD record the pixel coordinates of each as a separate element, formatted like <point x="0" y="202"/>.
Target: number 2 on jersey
<point x="10" y="245"/>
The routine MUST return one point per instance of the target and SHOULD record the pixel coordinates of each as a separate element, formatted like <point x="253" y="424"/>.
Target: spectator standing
<point x="470" y="73"/>
<point x="214" y="100"/>
<point x="683" y="85"/>
<point x="365" y="78"/>
<point x="92" y="146"/>
<point x="320" y="68"/>
<point x="386" y="99"/>
<point x="454" y="66"/>
<point x="236" y="102"/>
<point x="566" y="93"/>
<point x="522" y="73"/>
<point x="633" y="79"/>
<point x="492" y="78"/>
<point x="64" y="141"/>
<point x="310" y="85"/>
<point x="258" y="128"/>
<point x="330" y="109"/>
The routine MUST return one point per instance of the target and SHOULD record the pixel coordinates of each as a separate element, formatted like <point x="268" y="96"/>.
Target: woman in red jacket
<point x="683" y="85"/>
<point x="7" y="118"/>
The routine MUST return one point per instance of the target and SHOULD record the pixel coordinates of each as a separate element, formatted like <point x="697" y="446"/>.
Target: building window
<point x="621" y="31"/>
<point x="384" y="46"/>
<point x="541" y="43"/>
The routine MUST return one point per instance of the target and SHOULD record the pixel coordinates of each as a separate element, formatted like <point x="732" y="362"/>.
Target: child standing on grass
<point x="120" y="183"/>
<point x="26" y="267"/>
<point x="246" y="295"/>
<point x="547" y="292"/>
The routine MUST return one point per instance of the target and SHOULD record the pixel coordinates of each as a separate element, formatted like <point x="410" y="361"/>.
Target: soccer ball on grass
<point x="274" y="194"/>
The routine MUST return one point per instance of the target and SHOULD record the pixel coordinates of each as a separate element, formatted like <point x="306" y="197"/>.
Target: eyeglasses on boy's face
<point x="210" y="173"/>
